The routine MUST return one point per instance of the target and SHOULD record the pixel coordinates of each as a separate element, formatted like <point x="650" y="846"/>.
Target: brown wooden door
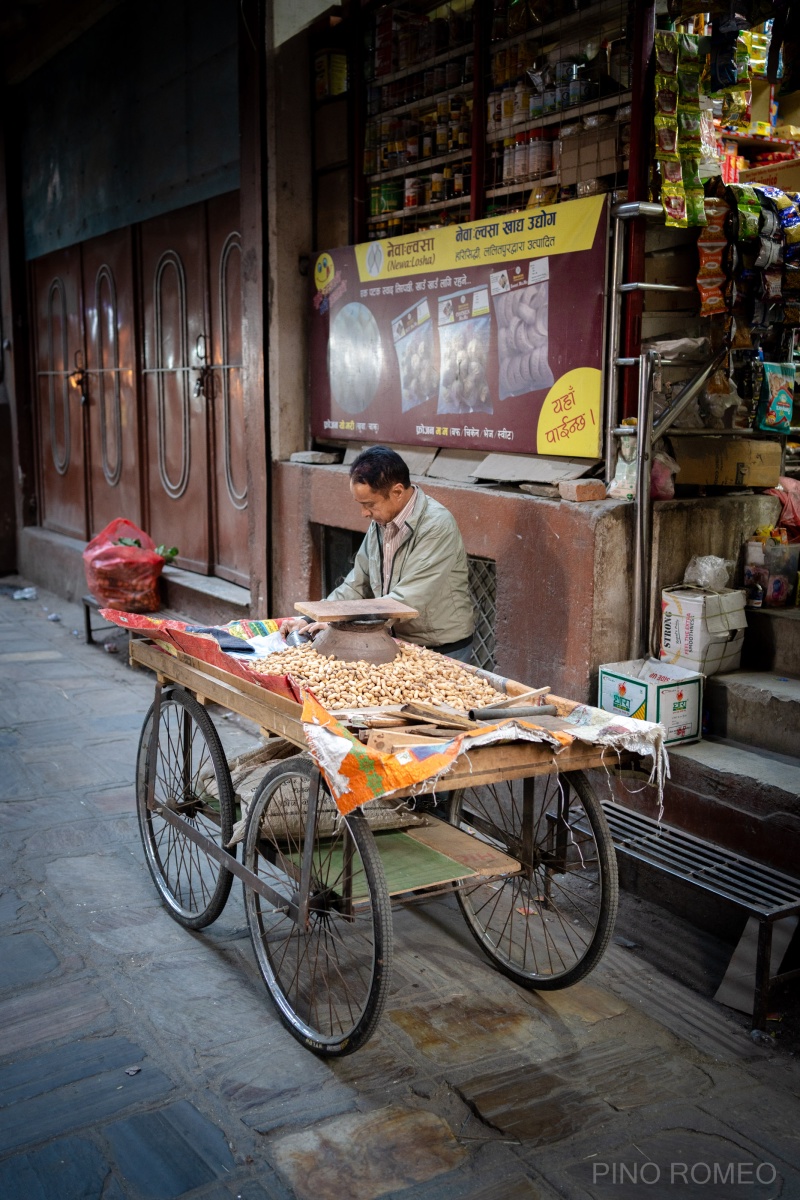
<point x="224" y="389"/>
<point x="175" y="323"/>
<point x="56" y="286"/>
<point x="113" y="457"/>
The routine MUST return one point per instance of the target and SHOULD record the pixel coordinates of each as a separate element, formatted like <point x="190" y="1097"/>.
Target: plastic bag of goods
<point x="464" y="330"/>
<point x="708" y="571"/>
<point x="413" y="342"/>
<point x="121" y="573"/>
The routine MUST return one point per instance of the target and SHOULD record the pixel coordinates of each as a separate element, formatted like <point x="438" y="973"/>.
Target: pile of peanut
<point x="416" y="674"/>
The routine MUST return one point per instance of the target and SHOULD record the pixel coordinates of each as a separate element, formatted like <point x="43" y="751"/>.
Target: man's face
<point x="381" y="507"/>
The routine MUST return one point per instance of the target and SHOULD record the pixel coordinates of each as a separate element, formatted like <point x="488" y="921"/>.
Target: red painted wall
<point x="545" y="551"/>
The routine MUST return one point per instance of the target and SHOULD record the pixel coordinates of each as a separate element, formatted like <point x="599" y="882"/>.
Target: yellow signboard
<point x="534" y="233"/>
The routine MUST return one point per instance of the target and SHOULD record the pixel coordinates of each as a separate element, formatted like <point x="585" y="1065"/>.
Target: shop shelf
<point x="455" y="202"/>
<point x="422" y="164"/>
<point x="755" y="140"/>
<point x="425" y="64"/>
<point x="508" y="189"/>
<point x="602" y="15"/>
<point x="563" y="115"/>
<point x="423" y="102"/>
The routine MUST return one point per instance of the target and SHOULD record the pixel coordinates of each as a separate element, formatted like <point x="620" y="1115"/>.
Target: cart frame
<point x="308" y="885"/>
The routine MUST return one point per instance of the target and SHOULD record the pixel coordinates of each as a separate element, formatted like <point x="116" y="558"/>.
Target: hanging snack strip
<point x="717" y="259"/>
<point x="678" y="126"/>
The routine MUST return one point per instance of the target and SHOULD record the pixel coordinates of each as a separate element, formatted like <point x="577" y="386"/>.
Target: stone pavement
<point x="140" y="1060"/>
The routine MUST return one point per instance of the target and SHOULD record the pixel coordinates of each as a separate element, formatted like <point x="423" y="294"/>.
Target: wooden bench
<point x="762" y="892"/>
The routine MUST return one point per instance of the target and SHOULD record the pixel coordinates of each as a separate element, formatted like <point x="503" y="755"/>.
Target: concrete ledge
<point x="772" y="640"/>
<point x="54" y="562"/>
<point x="746" y="801"/>
<point x="760" y="708"/>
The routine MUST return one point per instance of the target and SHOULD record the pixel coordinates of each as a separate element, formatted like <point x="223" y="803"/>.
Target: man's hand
<point x="300" y="623"/>
<point x="294" y="623"/>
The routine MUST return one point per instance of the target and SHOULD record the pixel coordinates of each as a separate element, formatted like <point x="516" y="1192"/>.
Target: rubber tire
<point x="328" y="1043"/>
<point x="175" y="702"/>
<point x="609" y="895"/>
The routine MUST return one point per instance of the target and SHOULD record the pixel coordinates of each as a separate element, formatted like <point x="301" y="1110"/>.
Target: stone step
<point x="729" y="794"/>
<point x="772" y="640"/>
<point x="758" y="708"/>
<point x="205" y="599"/>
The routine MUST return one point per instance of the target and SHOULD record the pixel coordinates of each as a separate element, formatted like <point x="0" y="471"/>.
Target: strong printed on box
<point x="702" y="629"/>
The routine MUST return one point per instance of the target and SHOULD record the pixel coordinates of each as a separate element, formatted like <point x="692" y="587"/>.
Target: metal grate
<point x="483" y="590"/>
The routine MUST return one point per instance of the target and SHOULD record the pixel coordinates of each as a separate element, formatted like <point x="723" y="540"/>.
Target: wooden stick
<point x="522" y="696"/>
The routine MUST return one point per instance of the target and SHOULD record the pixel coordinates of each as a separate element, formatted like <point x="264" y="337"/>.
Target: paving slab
<point x="42" y="1073"/>
<point x="25" y="958"/>
<point x="173" y="1150"/>
<point x="60" y="1010"/>
<point x="67" y="1169"/>
<point x="394" y="1150"/>
<point x="84" y="1102"/>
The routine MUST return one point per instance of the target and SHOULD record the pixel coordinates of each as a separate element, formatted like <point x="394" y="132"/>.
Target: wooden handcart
<point x="518" y="835"/>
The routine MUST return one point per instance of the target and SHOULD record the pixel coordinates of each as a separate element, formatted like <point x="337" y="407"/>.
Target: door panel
<point x="114" y="489"/>
<point x="231" y="546"/>
<point x="173" y="306"/>
<point x="56" y="283"/>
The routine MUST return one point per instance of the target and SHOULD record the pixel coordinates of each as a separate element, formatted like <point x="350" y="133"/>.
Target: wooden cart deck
<point x="277" y="715"/>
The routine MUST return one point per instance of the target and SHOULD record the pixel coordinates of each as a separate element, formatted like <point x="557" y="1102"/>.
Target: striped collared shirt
<point x="393" y="533"/>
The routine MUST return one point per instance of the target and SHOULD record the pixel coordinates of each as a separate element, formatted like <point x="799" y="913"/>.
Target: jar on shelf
<point x="454" y="73"/>
<point x="539" y="154"/>
<point x="535" y="105"/>
<point x="428" y="141"/>
<point x="439" y="78"/>
<point x="509" y="163"/>
<point x="390" y="195"/>
<point x="507" y="107"/>
<point x="442" y="135"/>
<point x="437" y="187"/>
<point x="522" y="99"/>
<point x="521" y="156"/>
<point x="411" y="192"/>
<point x="447" y="183"/>
<point x="412" y="142"/>
<point x="550" y="101"/>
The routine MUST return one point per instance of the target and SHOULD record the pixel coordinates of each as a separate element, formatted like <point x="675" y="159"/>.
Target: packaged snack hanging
<point x="774" y="414"/>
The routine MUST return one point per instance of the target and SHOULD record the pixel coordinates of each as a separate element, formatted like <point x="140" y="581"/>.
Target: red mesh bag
<point x="123" y="577"/>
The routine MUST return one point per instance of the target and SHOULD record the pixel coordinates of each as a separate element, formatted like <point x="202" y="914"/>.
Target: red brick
<point x="582" y="489"/>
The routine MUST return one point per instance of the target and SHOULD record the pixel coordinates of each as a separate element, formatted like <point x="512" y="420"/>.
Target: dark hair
<point x="380" y="469"/>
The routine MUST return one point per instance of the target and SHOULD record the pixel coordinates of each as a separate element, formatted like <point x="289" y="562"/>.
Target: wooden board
<point x="463" y="848"/>
<point x="436" y="854"/>
<point x="345" y="610"/>
<point x="271" y="712"/>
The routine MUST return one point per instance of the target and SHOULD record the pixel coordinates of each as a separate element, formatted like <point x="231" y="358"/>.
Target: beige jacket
<point x="429" y="573"/>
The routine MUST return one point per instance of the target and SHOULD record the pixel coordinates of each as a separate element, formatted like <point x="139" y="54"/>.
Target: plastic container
<point x="521" y="157"/>
<point x="509" y="160"/>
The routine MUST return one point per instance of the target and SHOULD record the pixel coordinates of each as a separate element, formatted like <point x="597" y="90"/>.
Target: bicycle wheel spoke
<point x="329" y="976"/>
<point x="547" y="925"/>
<point x="190" y="778"/>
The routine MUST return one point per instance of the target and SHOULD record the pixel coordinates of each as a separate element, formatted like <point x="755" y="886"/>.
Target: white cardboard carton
<point x="650" y="690"/>
<point x="702" y="630"/>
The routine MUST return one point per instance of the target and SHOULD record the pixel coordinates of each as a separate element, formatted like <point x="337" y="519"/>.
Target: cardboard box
<point x="702" y="630"/>
<point x="785" y="175"/>
<point x="588" y="155"/>
<point x="728" y="461"/>
<point x="649" y="690"/>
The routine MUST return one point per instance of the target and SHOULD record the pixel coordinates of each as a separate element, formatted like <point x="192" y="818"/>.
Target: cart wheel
<point x="329" y="976"/>
<point x="547" y="926"/>
<point x="193" y="781"/>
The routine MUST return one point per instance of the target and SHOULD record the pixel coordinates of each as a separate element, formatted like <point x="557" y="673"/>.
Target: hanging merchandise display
<point x="679" y="126"/>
